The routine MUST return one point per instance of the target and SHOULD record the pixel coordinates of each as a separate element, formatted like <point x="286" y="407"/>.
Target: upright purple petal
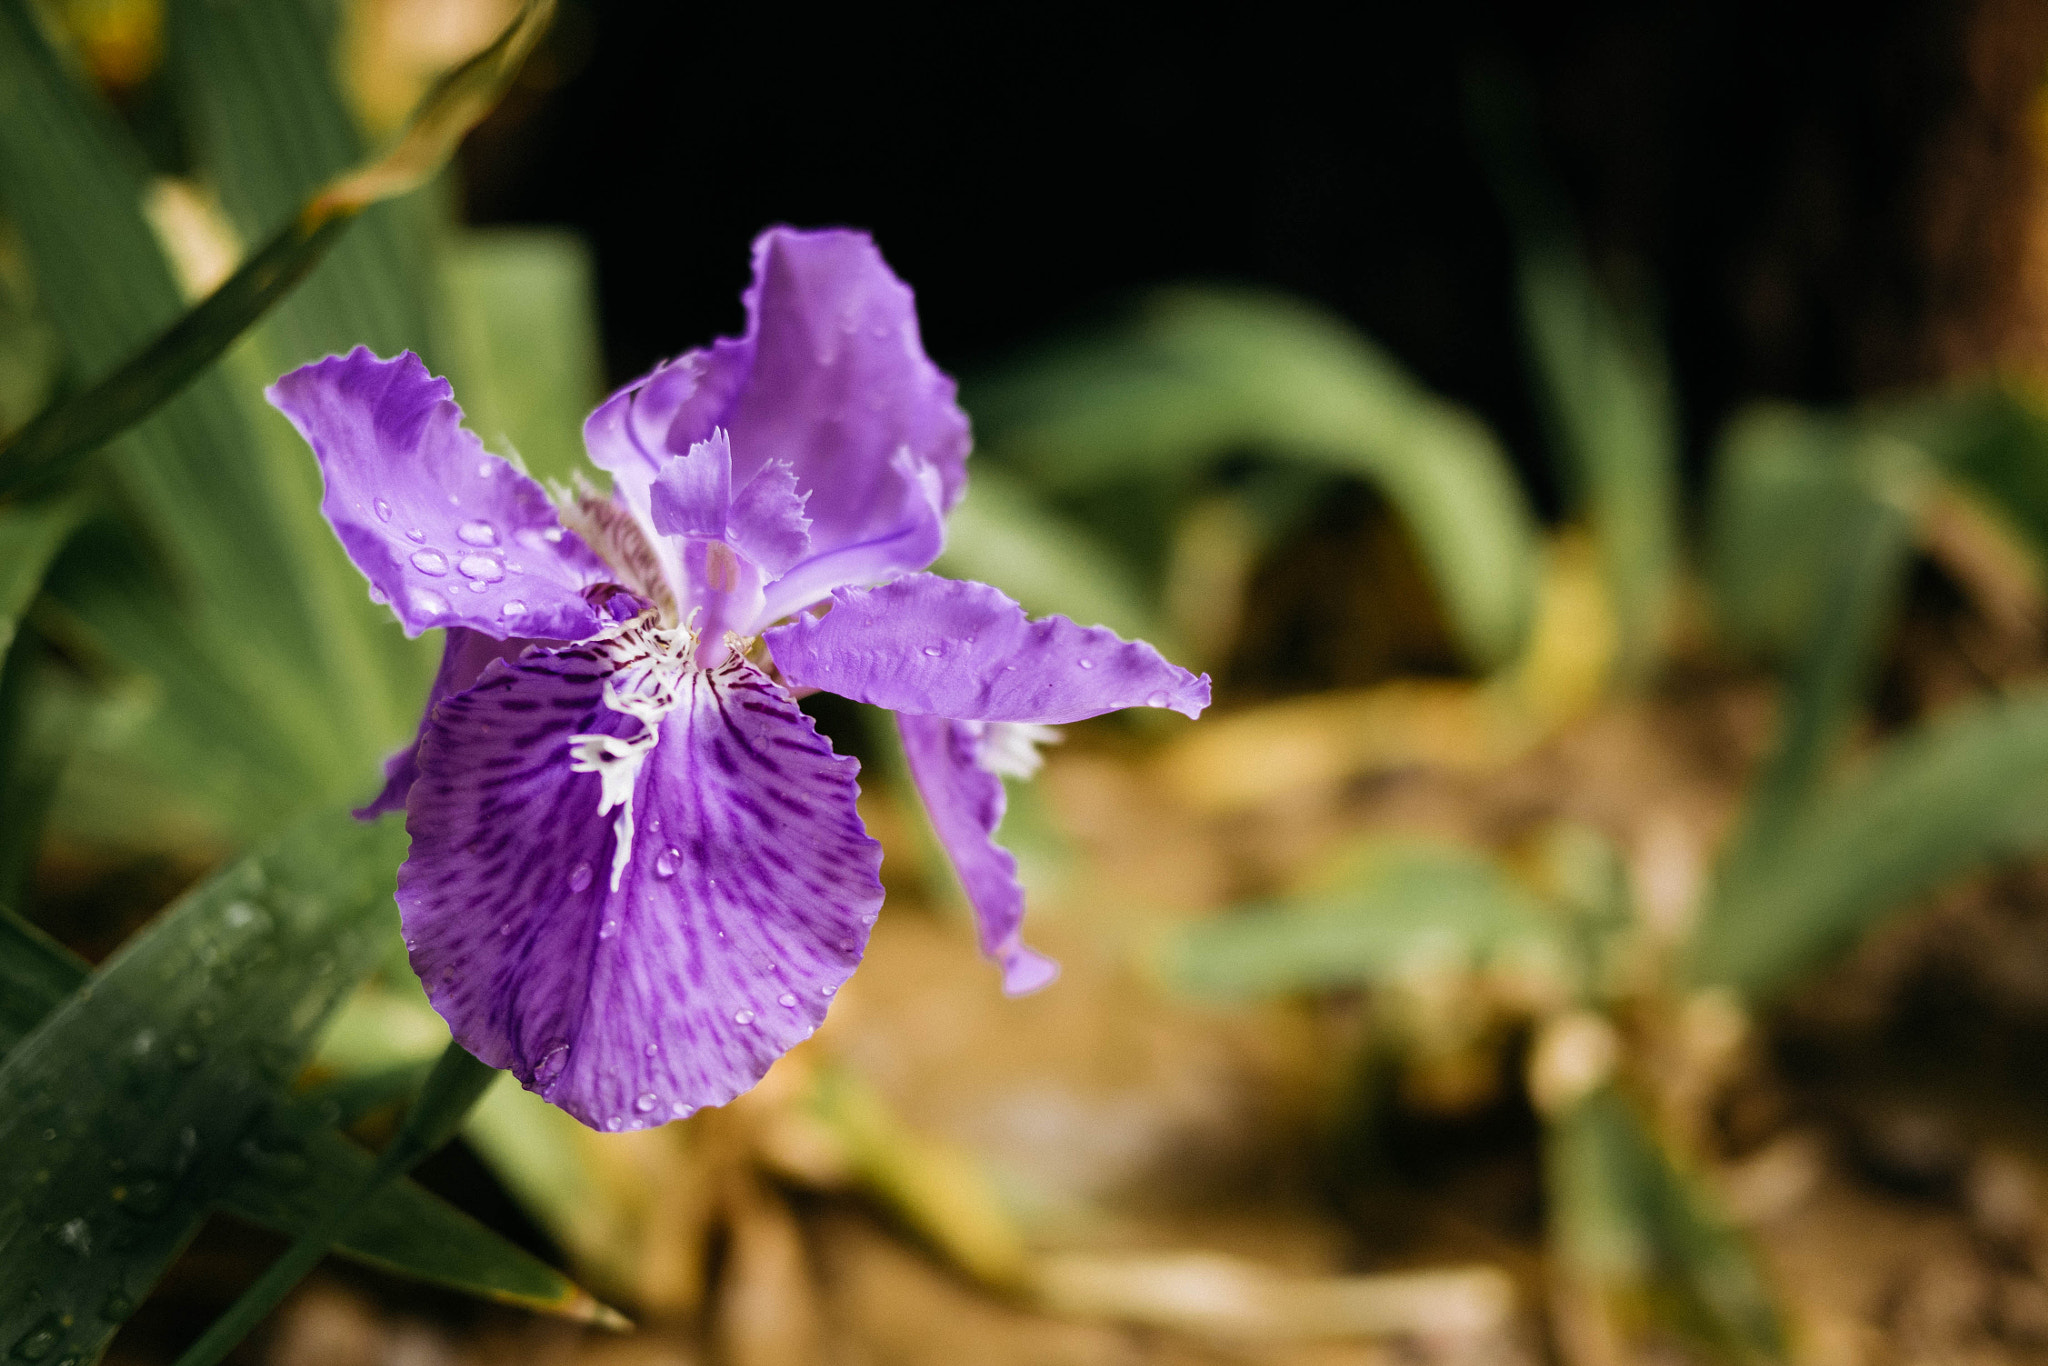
<point x="448" y="534"/>
<point x="943" y="647"/>
<point x="831" y="379"/>
<point x="743" y="902"/>
<point x="464" y="656"/>
<point x="966" y="804"/>
<point x="767" y="523"/>
<point x="693" y="492"/>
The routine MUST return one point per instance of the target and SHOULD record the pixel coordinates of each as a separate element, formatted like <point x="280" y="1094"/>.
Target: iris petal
<point x="966" y="804"/>
<point x="743" y="904"/>
<point x="449" y="534"/>
<point x="943" y="647"/>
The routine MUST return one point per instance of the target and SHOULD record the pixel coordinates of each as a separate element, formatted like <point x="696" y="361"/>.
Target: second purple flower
<point x="638" y="874"/>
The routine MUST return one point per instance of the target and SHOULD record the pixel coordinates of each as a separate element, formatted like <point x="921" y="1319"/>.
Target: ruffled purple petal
<point x="448" y="534"/>
<point x="966" y="803"/>
<point x="831" y="379"/>
<point x="767" y="523"/>
<point x="464" y="656"/>
<point x="944" y="647"/>
<point x="693" y="492"/>
<point x="743" y="903"/>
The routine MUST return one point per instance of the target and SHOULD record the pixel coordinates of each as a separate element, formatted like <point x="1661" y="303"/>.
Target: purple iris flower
<point x="638" y="873"/>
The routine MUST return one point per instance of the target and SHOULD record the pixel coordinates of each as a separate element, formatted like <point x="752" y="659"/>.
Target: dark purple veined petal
<point x="447" y="533"/>
<point x="465" y="655"/>
<point x="966" y="802"/>
<point x="944" y="647"/>
<point x="742" y="904"/>
<point x="831" y="379"/>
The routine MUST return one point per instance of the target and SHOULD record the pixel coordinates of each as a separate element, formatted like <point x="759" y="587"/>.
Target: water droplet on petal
<point x="932" y="650"/>
<point x="579" y="877"/>
<point x="665" y="863"/>
<point x="645" y="1103"/>
<point x="1158" y="699"/>
<point x="514" y="608"/>
<point x="505" y="928"/>
<point x="743" y="1017"/>
<point x="829" y="989"/>
<point x="486" y="468"/>
<point x="482" y="567"/>
<point x="477" y="533"/>
<point x="614" y="1124"/>
<point x="383" y="509"/>
<point x="1087" y="663"/>
<point x="415" y="535"/>
<point x="608" y="929"/>
<point x="551" y="1064"/>
<point x="551" y="535"/>
<point x="430" y="562"/>
<point x="787" y="998"/>
<point x="652" y="1049"/>
<point x="679" y="1109"/>
<point x="428" y="604"/>
<point x="39" y="1341"/>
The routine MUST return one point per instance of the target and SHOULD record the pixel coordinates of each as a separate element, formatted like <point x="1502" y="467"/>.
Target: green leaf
<point x="1629" y="1220"/>
<point x="36" y="974"/>
<point x="1607" y="388"/>
<point x="31" y="534"/>
<point x="123" y="1114"/>
<point x="1205" y="373"/>
<point x="1396" y="908"/>
<point x="153" y="374"/>
<point x="302" y="1170"/>
<point x="1993" y="440"/>
<point x="525" y="325"/>
<point x="1967" y="788"/>
<point x="1000" y="534"/>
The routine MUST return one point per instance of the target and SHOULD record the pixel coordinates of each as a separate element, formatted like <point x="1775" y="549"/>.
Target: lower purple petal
<point x="743" y="903"/>
<point x="464" y="656"/>
<point x="966" y="804"/>
<point x="943" y="647"/>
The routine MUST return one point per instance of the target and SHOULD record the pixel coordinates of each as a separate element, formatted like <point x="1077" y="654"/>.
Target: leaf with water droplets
<point x="123" y="1109"/>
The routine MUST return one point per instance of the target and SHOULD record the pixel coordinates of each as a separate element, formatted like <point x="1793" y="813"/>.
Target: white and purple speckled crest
<point x="447" y="533"/>
<point x="744" y="902"/>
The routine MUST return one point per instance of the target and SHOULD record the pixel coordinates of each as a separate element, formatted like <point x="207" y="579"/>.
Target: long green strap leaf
<point x="51" y="444"/>
<point x="1961" y="791"/>
<point x="293" y="1169"/>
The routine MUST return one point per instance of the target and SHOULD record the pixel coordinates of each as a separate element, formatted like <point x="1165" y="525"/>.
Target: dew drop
<point x="428" y="604"/>
<point x="607" y="930"/>
<point x="579" y="877"/>
<point x="932" y="650"/>
<point x="787" y="998"/>
<point x="415" y="535"/>
<point x="679" y="1109"/>
<point x="551" y="535"/>
<point x="514" y="608"/>
<point x="38" y="1341"/>
<point x="481" y="567"/>
<point x="645" y="1103"/>
<point x="743" y="1017"/>
<point x="1087" y="663"/>
<point x="1158" y="699"/>
<point x="430" y="562"/>
<point x="829" y="989"/>
<point x="665" y="863"/>
<point x="116" y="1307"/>
<point x="383" y="509"/>
<point x="505" y="928"/>
<point x="551" y="1064"/>
<point x="614" y="1124"/>
<point x="652" y="1049"/>
<point x="486" y="468"/>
